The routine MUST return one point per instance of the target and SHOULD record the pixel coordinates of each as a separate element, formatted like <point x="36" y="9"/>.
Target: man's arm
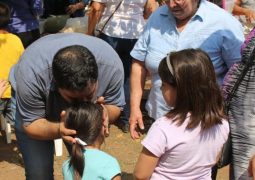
<point x="42" y="129"/>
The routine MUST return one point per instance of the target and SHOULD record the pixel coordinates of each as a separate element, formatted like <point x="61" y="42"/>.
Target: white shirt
<point x="127" y="22"/>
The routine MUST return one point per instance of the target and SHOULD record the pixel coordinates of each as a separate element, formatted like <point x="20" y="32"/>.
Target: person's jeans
<point x="123" y="47"/>
<point x="38" y="156"/>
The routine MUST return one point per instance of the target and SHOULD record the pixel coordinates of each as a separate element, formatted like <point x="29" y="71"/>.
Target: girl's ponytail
<point x="86" y="119"/>
<point x="77" y="160"/>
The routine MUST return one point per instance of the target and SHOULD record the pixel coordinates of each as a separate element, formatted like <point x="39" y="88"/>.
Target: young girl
<point x="186" y="142"/>
<point x="87" y="161"/>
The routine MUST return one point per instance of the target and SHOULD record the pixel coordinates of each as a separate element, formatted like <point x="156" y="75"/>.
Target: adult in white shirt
<point x="121" y="23"/>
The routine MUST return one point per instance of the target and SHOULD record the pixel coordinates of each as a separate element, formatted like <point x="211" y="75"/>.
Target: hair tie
<point x="170" y="67"/>
<point x="81" y="142"/>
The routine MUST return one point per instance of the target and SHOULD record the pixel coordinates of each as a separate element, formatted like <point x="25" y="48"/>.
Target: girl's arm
<point x="95" y="13"/>
<point x="145" y="165"/>
<point x="150" y="6"/>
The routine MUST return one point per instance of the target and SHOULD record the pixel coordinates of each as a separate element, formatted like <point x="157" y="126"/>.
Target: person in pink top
<point x="187" y="141"/>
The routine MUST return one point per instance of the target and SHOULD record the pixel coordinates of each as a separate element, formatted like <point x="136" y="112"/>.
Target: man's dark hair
<point x="4" y="15"/>
<point x="74" y="68"/>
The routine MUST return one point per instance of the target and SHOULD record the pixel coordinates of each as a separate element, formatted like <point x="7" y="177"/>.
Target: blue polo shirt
<point x="211" y="29"/>
<point x="36" y="94"/>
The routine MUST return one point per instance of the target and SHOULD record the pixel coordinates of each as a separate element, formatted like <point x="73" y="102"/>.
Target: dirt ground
<point x="118" y="144"/>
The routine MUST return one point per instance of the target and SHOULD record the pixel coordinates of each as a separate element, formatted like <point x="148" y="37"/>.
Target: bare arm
<point x="145" y="165"/>
<point x="42" y="129"/>
<point x="137" y="81"/>
<point x="3" y="86"/>
<point x="248" y="13"/>
<point x="95" y="13"/>
<point x="150" y="6"/>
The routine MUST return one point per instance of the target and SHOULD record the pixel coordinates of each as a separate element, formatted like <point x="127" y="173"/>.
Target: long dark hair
<point x="86" y="119"/>
<point x="197" y="88"/>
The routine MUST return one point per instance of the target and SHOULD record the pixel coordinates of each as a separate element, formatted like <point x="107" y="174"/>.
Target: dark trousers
<point x="28" y="37"/>
<point x="123" y="47"/>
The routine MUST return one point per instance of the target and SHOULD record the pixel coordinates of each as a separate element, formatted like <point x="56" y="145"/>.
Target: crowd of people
<point x="74" y="85"/>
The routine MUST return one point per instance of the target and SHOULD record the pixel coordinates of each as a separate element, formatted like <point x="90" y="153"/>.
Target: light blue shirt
<point x="211" y="29"/>
<point x="98" y="165"/>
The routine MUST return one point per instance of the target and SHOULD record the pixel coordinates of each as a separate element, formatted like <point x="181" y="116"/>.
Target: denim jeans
<point x="38" y="156"/>
<point x="123" y="47"/>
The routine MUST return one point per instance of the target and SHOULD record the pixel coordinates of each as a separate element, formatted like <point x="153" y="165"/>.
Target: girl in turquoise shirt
<point x="87" y="161"/>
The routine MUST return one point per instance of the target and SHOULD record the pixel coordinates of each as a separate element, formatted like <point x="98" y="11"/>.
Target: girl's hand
<point x="66" y="134"/>
<point x="3" y="86"/>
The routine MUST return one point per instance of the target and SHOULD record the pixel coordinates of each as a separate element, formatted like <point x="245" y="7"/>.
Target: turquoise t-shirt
<point x="98" y="165"/>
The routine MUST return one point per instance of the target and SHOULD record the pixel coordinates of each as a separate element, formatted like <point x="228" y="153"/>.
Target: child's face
<point x="169" y="93"/>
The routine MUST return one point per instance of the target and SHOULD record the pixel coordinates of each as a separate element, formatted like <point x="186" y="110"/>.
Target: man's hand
<point x="251" y="168"/>
<point x="105" y="120"/>
<point x="66" y="134"/>
<point x="100" y="100"/>
<point x="136" y="124"/>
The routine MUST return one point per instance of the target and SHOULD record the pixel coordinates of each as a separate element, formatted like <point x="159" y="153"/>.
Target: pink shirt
<point x="184" y="154"/>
